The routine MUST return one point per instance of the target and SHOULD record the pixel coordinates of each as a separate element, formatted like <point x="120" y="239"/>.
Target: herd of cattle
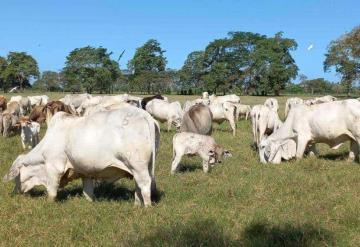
<point x="110" y="137"/>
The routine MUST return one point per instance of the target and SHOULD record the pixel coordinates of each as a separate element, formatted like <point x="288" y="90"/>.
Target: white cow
<point x="222" y="112"/>
<point x="38" y="100"/>
<point x="242" y="110"/>
<point x="104" y="146"/>
<point x="15" y="99"/>
<point x="332" y="123"/>
<point x="225" y="98"/>
<point x="264" y="122"/>
<point x="75" y="100"/>
<point x="164" y="111"/>
<point x="190" y="103"/>
<point x="272" y="103"/>
<point x="202" y="145"/>
<point x="290" y="102"/>
<point x="320" y="100"/>
<point x="29" y="133"/>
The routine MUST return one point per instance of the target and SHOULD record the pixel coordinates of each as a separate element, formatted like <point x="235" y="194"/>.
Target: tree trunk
<point x="277" y="92"/>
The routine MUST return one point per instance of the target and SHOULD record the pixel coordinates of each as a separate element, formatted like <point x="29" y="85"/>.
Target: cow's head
<point x="274" y="151"/>
<point x="26" y="176"/>
<point x="217" y="154"/>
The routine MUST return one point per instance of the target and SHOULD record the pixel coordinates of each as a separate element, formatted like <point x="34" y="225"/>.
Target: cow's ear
<point x="227" y="153"/>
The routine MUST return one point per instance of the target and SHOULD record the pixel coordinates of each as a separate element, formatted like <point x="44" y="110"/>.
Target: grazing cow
<point x="202" y="145"/>
<point x="165" y="112"/>
<point x="242" y="110"/>
<point x="9" y="123"/>
<point x="290" y="102"/>
<point x="55" y="106"/>
<point x="38" y="100"/>
<point x="38" y="114"/>
<point x="146" y="100"/>
<point x="75" y="100"/>
<point x="272" y="103"/>
<point x="222" y="112"/>
<point x="190" y="103"/>
<point x="320" y="100"/>
<point x="225" y="98"/>
<point x="264" y="122"/>
<point x="332" y="123"/>
<point x="198" y="119"/>
<point x="111" y="145"/>
<point x="3" y="103"/>
<point x="29" y="133"/>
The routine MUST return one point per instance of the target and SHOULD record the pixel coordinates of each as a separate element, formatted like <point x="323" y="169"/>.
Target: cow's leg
<point x="175" y="163"/>
<point x="169" y="122"/>
<point x="54" y="176"/>
<point x="143" y="182"/>
<point x="233" y="126"/>
<point x="138" y="197"/>
<point x="205" y="165"/>
<point x="88" y="188"/>
<point x="23" y="144"/>
<point x="301" y="146"/>
<point x="354" y="151"/>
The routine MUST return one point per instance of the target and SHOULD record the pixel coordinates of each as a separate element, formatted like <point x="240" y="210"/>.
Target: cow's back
<point x="198" y="119"/>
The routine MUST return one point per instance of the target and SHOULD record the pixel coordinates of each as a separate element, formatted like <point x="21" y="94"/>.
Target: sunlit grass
<point x="313" y="201"/>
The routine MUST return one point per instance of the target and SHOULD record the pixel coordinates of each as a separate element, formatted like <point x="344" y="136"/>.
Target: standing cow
<point x="198" y="119"/>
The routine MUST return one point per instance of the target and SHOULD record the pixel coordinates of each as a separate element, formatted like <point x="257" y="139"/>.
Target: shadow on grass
<point x="335" y="156"/>
<point x="197" y="233"/>
<point x="264" y="234"/>
<point x="189" y="167"/>
<point x="103" y="191"/>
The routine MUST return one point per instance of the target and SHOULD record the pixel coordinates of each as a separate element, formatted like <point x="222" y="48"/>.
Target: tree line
<point x="243" y="62"/>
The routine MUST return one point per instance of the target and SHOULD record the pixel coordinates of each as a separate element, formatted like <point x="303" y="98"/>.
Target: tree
<point x="147" y="63"/>
<point x="91" y="69"/>
<point x="49" y="81"/>
<point x="20" y="69"/>
<point x="190" y="75"/>
<point x="343" y="54"/>
<point x="3" y="64"/>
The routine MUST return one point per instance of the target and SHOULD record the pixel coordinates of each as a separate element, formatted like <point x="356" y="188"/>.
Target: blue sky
<point x="49" y="30"/>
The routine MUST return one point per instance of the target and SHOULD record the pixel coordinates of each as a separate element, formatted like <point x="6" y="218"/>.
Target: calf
<point x="202" y="145"/>
<point x="29" y="133"/>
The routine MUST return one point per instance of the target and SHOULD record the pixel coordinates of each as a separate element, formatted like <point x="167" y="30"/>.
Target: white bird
<point x="311" y="46"/>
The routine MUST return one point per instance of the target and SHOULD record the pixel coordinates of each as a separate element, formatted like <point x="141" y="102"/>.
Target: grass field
<point x="309" y="202"/>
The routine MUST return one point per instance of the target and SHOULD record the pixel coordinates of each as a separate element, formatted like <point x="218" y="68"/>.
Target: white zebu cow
<point x="202" y="145"/>
<point x="272" y="103"/>
<point x="320" y="100"/>
<point x="225" y="98"/>
<point x="222" y="112"/>
<point x="242" y="110"/>
<point x="264" y="122"/>
<point x="290" y="102"/>
<point x="75" y="100"/>
<point x="24" y="103"/>
<point x="332" y="123"/>
<point x="110" y="145"/>
<point x="38" y="100"/>
<point x="29" y="133"/>
<point x="164" y="111"/>
<point x="190" y="103"/>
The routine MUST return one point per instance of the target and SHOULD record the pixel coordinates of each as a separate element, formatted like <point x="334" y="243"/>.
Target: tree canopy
<point x="90" y="69"/>
<point x="343" y="54"/>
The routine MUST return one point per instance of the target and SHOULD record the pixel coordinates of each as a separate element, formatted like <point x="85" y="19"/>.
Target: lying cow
<point x="272" y="103"/>
<point x="264" y="122"/>
<point x="126" y="146"/>
<point x="29" y="133"/>
<point x="332" y="123"/>
<point x="202" y="145"/>
<point x="225" y="111"/>
<point x="165" y="112"/>
<point x="291" y="102"/>
<point x="198" y="119"/>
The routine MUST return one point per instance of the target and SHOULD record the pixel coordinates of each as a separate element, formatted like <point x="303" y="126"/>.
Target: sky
<point x="49" y="30"/>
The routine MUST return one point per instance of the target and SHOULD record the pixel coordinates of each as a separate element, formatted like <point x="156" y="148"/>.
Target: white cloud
<point x="311" y="46"/>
